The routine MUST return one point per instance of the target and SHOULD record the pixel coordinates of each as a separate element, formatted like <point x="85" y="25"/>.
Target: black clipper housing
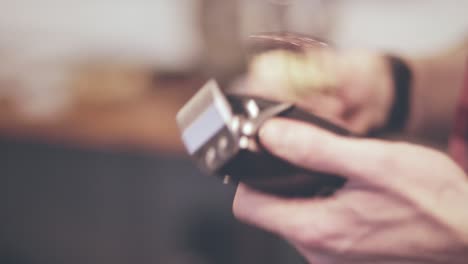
<point x="220" y="132"/>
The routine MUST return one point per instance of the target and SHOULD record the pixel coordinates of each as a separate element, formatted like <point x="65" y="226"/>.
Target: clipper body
<point x="220" y="132"/>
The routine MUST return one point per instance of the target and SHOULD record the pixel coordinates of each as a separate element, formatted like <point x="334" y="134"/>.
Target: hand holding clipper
<point x="220" y="132"/>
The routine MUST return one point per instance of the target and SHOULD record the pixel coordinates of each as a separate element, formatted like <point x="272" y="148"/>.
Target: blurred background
<point x="91" y="166"/>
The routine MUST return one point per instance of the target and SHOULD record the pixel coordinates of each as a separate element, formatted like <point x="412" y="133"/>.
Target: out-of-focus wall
<point x="162" y="32"/>
<point x="45" y="45"/>
<point x="166" y="33"/>
<point x="413" y="27"/>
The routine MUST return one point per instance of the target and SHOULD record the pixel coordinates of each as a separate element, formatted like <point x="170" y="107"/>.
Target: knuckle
<point x="398" y="156"/>
<point x="315" y="153"/>
<point x="308" y="238"/>
<point x="297" y="143"/>
<point x="317" y="236"/>
<point x="389" y="158"/>
<point x="302" y="156"/>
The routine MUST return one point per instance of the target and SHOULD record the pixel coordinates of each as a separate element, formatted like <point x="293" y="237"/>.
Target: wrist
<point x="401" y="76"/>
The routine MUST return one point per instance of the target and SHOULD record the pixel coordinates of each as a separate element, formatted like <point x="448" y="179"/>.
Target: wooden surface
<point x="146" y="123"/>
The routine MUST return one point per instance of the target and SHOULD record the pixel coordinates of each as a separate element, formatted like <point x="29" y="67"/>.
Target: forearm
<point x="435" y="91"/>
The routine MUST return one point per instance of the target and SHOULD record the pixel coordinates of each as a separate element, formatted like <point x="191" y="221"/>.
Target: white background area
<point x="41" y="39"/>
<point x="164" y="32"/>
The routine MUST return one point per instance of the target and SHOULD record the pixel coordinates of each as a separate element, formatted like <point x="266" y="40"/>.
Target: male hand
<point x="402" y="203"/>
<point x="354" y="89"/>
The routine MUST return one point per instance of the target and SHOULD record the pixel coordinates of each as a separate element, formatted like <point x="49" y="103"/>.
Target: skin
<point x="403" y="203"/>
<point x="363" y="93"/>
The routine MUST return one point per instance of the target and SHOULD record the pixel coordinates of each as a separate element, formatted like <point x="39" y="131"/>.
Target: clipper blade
<point x="204" y="115"/>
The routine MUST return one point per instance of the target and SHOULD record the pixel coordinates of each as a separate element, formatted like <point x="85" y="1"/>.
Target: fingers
<point x="326" y="106"/>
<point x="359" y="123"/>
<point x="316" y="149"/>
<point x="286" y="217"/>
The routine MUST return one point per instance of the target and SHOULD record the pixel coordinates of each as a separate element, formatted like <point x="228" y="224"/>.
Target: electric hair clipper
<point x="220" y="133"/>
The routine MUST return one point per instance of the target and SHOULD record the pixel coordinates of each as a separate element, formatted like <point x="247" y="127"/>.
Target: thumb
<point x="316" y="149"/>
